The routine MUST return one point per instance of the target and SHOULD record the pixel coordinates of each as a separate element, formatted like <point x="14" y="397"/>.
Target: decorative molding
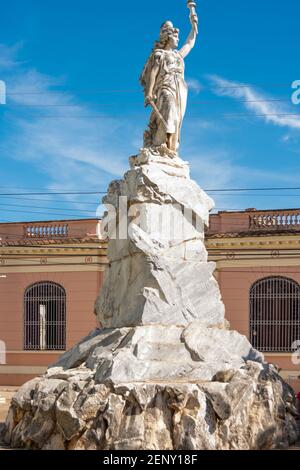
<point x="53" y="268"/>
<point x="23" y="370"/>
<point x="267" y="262"/>
<point x="237" y="242"/>
<point x="230" y="255"/>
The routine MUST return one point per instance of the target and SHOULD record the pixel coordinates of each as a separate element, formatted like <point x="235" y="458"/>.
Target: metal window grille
<point x="275" y="314"/>
<point x="45" y="317"/>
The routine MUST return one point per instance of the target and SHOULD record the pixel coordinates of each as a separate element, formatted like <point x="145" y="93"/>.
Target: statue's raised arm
<point x="164" y="85"/>
<point x="191" y="40"/>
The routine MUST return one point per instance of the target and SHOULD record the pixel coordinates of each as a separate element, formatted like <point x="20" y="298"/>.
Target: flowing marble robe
<point x="170" y="90"/>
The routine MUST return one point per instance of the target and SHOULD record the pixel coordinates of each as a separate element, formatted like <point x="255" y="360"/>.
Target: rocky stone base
<point x="158" y="264"/>
<point x="208" y="401"/>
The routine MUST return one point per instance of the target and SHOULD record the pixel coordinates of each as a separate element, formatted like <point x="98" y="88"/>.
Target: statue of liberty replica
<point x="163" y="370"/>
<point x="164" y="84"/>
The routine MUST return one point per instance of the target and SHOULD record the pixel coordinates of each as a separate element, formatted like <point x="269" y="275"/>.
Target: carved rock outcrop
<point x="151" y="279"/>
<point x="153" y="387"/>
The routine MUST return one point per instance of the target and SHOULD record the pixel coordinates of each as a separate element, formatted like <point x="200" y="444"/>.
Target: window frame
<point x="53" y="340"/>
<point x="285" y="330"/>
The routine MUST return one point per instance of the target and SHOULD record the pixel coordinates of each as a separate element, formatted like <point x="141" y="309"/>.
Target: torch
<point x="192" y="7"/>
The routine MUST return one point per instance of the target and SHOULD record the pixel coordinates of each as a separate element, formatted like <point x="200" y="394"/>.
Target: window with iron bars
<point x="45" y="317"/>
<point x="275" y="314"/>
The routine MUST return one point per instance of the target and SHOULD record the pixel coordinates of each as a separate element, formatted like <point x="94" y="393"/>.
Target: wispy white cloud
<point x="258" y="102"/>
<point x="194" y="85"/>
<point x="8" y="55"/>
<point x="78" y="148"/>
<point x="73" y="146"/>
<point x="217" y="170"/>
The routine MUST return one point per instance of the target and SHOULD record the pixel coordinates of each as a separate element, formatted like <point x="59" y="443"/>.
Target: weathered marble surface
<point x="157" y="352"/>
<point x="155" y="387"/>
<point x="152" y="273"/>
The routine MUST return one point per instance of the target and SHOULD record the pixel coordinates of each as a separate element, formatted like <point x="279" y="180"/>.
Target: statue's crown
<point x="168" y="28"/>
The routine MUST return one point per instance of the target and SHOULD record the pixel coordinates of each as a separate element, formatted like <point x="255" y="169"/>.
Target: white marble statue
<point x="164" y="371"/>
<point x="164" y="84"/>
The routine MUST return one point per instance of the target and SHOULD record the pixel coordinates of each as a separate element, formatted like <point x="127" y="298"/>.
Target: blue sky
<point x="74" y="111"/>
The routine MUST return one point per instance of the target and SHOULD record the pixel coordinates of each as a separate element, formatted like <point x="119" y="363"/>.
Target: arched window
<point x="45" y="317"/>
<point x="275" y="314"/>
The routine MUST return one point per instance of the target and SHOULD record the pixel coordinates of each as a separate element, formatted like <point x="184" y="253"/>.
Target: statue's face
<point x="174" y="41"/>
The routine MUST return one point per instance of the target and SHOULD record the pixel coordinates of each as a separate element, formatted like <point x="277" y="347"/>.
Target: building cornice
<point x="268" y="242"/>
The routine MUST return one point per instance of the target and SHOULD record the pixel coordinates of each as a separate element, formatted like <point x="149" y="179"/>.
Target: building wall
<point x="81" y="289"/>
<point x="235" y="285"/>
<point x="244" y="255"/>
<point x="76" y="229"/>
<point x="67" y="253"/>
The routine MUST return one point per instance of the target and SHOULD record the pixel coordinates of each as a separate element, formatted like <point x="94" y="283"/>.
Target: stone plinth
<point x="159" y="274"/>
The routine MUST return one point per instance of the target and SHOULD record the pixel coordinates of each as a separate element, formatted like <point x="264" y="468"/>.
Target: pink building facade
<point x="51" y="273"/>
<point x="258" y="269"/>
